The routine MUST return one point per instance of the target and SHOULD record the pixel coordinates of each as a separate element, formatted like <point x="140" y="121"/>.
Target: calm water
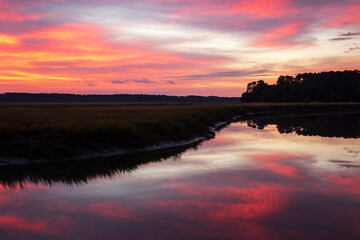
<point x="276" y="178"/>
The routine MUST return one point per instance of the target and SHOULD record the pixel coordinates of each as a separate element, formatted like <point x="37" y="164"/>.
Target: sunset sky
<point x="175" y="47"/>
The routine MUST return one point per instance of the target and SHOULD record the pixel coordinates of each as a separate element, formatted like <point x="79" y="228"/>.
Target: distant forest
<point x="56" y="97"/>
<point x="307" y="87"/>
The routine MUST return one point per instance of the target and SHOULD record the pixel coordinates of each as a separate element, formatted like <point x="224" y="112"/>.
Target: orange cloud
<point x="46" y="46"/>
<point x="8" y="40"/>
<point x="74" y="52"/>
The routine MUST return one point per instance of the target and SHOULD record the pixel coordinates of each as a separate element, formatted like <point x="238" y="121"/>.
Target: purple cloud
<point x="144" y="80"/>
<point x="350" y="34"/>
<point x="118" y="81"/>
<point x="341" y="39"/>
<point x="222" y="74"/>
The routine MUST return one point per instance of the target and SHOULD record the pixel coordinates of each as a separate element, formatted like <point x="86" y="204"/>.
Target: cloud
<point x="240" y="73"/>
<point x="49" y="44"/>
<point x="341" y="39"/>
<point x="144" y="80"/>
<point x="90" y="83"/>
<point x="259" y="8"/>
<point x="284" y="36"/>
<point x="118" y="81"/>
<point x="349" y="15"/>
<point x="346" y="36"/>
<point x="340" y="161"/>
<point x="350" y="34"/>
<point x="353" y="49"/>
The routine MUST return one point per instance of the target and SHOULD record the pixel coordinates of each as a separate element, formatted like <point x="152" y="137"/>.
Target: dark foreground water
<point x="275" y="178"/>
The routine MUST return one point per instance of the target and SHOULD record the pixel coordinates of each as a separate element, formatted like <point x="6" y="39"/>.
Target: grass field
<point x="56" y="130"/>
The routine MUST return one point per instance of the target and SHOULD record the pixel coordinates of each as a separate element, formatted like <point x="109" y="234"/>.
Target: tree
<point x="307" y="87"/>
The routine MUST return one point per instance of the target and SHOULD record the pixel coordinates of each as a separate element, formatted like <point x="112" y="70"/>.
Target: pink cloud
<point x="11" y="11"/>
<point x="10" y="221"/>
<point x="260" y="8"/>
<point x="279" y="37"/>
<point x="72" y="52"/>
<point x="350" y="16"/>
<point x="279" y="163"/>
<point x="46" y="46"/>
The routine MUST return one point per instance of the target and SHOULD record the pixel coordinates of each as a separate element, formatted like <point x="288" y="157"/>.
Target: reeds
<point x="60" y="130"/>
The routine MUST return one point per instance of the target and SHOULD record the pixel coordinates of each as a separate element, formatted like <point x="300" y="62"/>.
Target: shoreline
<point x="247" y="111"/>
<point x="122" y="151"/>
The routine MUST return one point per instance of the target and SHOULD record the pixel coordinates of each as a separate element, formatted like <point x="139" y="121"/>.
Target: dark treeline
<point x="57" y="97"/>
<point x="307" y="87"/>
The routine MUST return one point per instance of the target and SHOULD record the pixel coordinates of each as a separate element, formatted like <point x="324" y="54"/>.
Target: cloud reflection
<point x="259" y="193"/>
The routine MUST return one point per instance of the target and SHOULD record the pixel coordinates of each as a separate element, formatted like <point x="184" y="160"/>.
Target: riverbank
<point x="42" y="132"/>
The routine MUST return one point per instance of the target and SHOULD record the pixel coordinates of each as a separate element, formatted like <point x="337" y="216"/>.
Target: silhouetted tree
<point x="307" y="87"/>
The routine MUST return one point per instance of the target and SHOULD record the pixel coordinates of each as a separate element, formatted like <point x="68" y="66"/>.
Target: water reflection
<point x="244" y="184"/>
<point x="81" y="172"/>
<point x="336" y="125"/>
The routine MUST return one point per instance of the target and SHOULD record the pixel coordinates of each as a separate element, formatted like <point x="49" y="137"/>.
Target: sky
<point x="174" y="47"/>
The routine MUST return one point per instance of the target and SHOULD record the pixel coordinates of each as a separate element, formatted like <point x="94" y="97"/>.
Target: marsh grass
<point x="59" y="130"/>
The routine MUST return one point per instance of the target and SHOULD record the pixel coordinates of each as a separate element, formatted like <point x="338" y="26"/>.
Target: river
<point x="266" y="178"/>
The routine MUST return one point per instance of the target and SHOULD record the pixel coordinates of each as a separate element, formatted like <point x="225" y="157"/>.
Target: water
<point x="250" y="182"/>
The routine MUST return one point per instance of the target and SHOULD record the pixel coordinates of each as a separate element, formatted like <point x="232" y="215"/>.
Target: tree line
<point x="57" y="97"/>
<point x="340" y="86"/>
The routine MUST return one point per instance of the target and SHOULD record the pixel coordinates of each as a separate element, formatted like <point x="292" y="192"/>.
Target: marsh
<point x="253" y="180"/>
